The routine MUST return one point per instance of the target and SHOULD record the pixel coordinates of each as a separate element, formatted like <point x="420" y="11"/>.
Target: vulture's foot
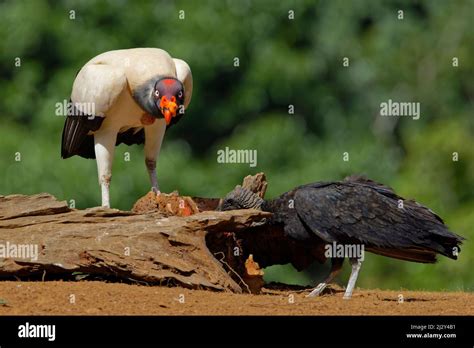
<point x="317" y="290"/>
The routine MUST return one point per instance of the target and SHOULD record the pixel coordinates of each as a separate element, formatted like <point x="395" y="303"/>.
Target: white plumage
<point x="134" y="94"/>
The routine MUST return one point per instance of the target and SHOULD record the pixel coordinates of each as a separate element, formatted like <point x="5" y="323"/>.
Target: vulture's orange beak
<point x="168" y="108"/>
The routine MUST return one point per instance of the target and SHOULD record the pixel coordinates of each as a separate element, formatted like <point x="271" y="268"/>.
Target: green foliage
<point x="282" y="62"/>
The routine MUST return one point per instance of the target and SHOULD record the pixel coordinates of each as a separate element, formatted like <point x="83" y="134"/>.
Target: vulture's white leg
<point x="356" y="263"/>
<point x="154" y="134"/>
<point x="318" y="290"/>
<point x="336" y="266"/>
<point x="104" y="152"/>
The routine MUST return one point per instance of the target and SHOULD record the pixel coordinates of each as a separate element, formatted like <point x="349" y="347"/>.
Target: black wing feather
<point x="131" y="136"/>
<point x="75" y="138"/>
<point x="368" y="213"/>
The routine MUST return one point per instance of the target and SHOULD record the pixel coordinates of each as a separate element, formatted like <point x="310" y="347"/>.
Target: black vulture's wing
<point x="285" y="213"/>
<point x="371" y="214"/>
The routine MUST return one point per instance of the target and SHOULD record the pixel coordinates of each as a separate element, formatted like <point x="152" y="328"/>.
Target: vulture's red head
<point x="169" y="97"/>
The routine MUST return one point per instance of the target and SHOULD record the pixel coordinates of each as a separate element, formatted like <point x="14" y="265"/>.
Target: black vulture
<point x="353" y="212"/>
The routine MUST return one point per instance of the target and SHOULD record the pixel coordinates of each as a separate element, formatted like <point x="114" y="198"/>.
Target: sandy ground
<point x="100" y="298"/>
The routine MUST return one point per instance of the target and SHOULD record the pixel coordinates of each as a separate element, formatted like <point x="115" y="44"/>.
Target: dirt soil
<point x="101" y="298"/>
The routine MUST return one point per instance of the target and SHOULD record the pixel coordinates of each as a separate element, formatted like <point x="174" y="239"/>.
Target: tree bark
<point x="195" y="249"/>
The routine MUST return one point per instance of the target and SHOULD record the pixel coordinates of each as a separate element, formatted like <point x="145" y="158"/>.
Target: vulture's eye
<point x="157" y="93"/>
<point x="180" y="94"/>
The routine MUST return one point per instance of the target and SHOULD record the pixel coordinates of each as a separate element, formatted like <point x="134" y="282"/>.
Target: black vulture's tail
<point x="413" y="255"/>
<point x="445" y="243"/>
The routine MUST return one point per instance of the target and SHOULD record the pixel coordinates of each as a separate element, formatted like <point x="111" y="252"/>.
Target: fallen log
<point x="165" y="240"/>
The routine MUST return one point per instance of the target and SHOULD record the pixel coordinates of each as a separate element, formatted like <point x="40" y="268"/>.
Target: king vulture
<point x="135" y="94"/>
<point x="356" y="211"/>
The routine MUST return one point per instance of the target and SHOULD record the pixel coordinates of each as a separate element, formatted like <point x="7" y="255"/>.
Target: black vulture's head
<point x="240" y="198"/>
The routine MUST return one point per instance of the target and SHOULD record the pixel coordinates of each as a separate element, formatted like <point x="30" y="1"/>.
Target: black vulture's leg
<point x="336" y="266"/>
<point x="356" y="263"/>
